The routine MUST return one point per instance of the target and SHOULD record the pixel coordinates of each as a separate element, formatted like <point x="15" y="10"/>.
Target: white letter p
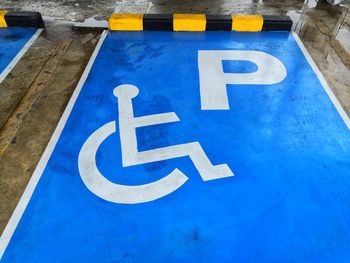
<point x="213" y="80"/>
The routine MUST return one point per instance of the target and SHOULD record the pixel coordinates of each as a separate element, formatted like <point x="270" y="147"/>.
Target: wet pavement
<point x="46" y="76"/>
<point x="138" y="157"/>
<point x="44" y="79"/>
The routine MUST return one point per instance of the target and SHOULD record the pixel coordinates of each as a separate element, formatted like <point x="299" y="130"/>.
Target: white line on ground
<point x="14" y="61"/>
<point x="324" y="83"/>
<point x="23" y="202"/>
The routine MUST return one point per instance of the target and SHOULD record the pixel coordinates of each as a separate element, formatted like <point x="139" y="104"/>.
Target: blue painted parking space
<point x="191" y="147"/>
<point x="14" y="41"/>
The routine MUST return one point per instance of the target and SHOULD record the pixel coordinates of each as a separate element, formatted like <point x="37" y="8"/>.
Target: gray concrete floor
<point x="46" y="76"/>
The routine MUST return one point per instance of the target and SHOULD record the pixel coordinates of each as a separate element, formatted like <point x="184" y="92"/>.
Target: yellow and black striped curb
<point x="199" y="22"/>
<point x="20" y="18"/>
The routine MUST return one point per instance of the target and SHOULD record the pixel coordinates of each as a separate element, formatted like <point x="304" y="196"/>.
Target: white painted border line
<point x="324" y="83"/>
<point x="20" y="54"/>
<point x="23" y="202"/>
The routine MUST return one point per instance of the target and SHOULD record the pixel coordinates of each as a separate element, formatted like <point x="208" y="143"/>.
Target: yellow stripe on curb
<point x="247" y="23"/>
<point x="126" y="22"/>
<point x="2" y="18"/>
<point x="189" y="22"/>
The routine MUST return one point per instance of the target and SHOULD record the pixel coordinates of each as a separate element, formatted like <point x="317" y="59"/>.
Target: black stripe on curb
<point x="161" y="22"/>
<point x="277" y="23"/>
<point x="218" y="23"/>
<point x="24" y="19"/>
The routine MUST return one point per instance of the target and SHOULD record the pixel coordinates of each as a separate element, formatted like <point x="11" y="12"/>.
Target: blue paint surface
<point x="289" y="200"/>
<point x="12" y="40"/>
<point x="238" y="66"/>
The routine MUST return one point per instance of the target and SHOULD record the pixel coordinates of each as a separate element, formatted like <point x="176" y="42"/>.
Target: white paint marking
<point x="156" y="118"/>
<point x="213" y="80"/>
<point x="324" y="83"/>
<point x="127" y="194"/>
<point x="14" y="61"/>
<point x="23" y="202"/>
<point x="117" y="193"/>
<point x="131" y="155"/>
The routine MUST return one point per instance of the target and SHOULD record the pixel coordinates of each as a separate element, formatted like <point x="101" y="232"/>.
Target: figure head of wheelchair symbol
<point x="126" y="91"/>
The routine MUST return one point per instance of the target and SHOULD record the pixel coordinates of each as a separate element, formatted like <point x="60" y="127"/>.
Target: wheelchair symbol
<point x="127" y="194"/>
